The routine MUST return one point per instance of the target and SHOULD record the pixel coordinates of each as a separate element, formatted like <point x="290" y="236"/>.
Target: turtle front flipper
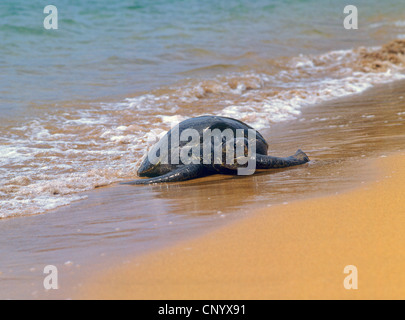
<point x="269" y="162"/>
<point x="186" y="172"/>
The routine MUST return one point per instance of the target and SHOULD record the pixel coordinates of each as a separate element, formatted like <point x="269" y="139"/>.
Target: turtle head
<point x="158" y="160"/>
<point x="148" y="169"/>
<point x="152" y="168"/>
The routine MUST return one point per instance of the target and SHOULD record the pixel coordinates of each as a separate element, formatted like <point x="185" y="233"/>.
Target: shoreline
<point x="293" y="251"/>
<point x="117" y="223"/>
<point x="99" y="142"/>
<point x="96" y="98"/>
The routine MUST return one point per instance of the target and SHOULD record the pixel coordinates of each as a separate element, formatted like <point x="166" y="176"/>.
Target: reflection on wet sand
<point x="121" y="220"/>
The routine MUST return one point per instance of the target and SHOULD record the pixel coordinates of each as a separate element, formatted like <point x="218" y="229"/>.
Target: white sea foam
<point x="400" y="23"/>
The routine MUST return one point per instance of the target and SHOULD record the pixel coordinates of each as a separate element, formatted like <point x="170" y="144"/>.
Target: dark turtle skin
<point x="168" y="172"/>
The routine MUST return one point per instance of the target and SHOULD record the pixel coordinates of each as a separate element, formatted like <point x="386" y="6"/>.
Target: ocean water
<point x="80" y="106"/>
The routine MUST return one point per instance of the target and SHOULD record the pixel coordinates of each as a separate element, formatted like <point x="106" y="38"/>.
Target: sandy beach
<point x="292" y="251"/>
<point x="81" y="106"/>
<point x="272" y="255"/>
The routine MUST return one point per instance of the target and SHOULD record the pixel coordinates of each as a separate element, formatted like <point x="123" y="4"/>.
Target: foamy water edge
<point x="50" y="161"/>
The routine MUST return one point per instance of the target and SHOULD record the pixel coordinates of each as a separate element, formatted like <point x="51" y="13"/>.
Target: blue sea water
<point x="115" y="48"/>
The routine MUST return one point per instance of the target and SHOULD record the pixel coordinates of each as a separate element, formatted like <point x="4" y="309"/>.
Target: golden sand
<point x="292" y="251"/>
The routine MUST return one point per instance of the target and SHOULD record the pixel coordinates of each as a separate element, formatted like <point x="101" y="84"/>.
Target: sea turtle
<point x="170" y="170"/>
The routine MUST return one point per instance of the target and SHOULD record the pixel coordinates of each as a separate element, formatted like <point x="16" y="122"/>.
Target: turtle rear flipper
<point x="186" y="172"/>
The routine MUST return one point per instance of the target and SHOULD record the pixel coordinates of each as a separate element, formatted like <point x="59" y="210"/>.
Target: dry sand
<point x="291" y="251"/>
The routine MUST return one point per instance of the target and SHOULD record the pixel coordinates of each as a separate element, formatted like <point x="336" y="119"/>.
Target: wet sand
<point x="350" y="213"/>
<point x="118" y="223"/>
<point x="294" y="251"/>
